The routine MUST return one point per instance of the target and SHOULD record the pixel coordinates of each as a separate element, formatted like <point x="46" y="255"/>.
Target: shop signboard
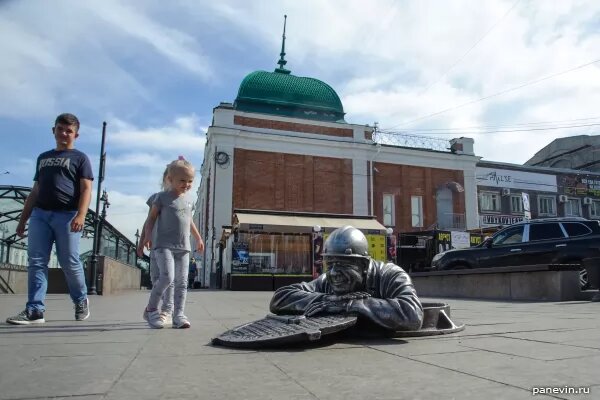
<point x="377" y="249"/>
<point x="506" y="178"/>
<point x="317" y="253"/>
<point x="580" y="186"/>
<point x="240" y="257"/>
<point x="460" y="240"/>
<point x="496" y="219"/>
<point x="444" y="240"/>
<point x="475" y="239"/>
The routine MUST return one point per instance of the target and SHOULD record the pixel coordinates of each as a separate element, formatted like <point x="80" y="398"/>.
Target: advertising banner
<point x="240" y="258"/>
<point x="317" y="240"/>
<point x="377" y="247"/>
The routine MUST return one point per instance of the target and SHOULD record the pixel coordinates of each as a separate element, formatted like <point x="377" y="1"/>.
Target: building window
<point x="266" y="253"/>
<point x="388" y="210"/>
<point x="595" y="209"/>
<point x="573" y="208"/>
<point x="546" y="206"/>
<point x="516" y="204"/>
<point x="416" y="206"/>
<point x="490" y="201"/>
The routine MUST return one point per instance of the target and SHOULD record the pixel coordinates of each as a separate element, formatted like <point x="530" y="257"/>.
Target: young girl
<point x="172" y="211"/>
<point x="166" y="308"/>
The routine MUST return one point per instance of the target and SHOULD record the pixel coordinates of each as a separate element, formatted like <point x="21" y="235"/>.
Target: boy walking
<point x="56" y="209"/>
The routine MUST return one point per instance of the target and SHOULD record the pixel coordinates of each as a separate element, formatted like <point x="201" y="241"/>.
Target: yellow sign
<point x="377" y="248"/>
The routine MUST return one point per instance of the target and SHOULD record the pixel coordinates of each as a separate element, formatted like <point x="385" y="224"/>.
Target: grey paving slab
<point x="525" y="349"/>
<point x="364" y="373"/>
<point x="506" y="349"/>
<point x="522" y="372"/>
<point x="61" y="376"/>
<point x="233" y="376"/>
<point x="560" y="336"/>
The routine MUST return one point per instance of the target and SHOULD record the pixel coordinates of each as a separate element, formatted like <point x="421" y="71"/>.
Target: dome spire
<point x="282" y="60"/>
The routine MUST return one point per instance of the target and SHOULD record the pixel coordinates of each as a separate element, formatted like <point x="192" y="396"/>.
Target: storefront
<point x="269" y="249"/>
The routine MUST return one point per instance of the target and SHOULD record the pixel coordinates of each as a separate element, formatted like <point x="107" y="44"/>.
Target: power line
<point x="483" y="127"/>
<point x="535" y="81"/>
<point x="470" y="49"/>
<point x="489" y="131"/>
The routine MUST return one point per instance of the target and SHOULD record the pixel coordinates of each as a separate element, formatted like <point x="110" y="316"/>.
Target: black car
<point x="542" y="241"/>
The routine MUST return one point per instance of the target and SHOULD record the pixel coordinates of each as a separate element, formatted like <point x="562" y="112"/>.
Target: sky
<point x="513" y="75"/>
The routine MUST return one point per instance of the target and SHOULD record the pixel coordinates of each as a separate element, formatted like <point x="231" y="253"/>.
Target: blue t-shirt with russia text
<point x="58" y="174"/>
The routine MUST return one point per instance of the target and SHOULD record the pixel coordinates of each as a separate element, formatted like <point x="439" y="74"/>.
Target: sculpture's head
<point x="346" y="257"/>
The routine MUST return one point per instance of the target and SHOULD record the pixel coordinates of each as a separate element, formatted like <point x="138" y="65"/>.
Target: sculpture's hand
<point x="354" y="296"/>
<point x="331" y="307"/>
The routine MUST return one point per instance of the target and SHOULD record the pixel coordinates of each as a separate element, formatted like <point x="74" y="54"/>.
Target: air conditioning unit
<point x="505" y="191"/>
<point x="587" y="200"/>
<point x="562" y="198"/>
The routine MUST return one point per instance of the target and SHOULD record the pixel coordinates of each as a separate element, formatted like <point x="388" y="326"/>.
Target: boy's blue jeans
<point x="46" y="228"/>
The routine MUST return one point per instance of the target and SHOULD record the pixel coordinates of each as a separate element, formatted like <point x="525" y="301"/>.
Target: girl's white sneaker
<point x="181" y="322"/>
<point x="154" y="319"/>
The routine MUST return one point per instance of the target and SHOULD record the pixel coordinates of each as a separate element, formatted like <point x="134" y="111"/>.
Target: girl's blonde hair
<point x="164" y="184"/>
<point x="180" y="164"/>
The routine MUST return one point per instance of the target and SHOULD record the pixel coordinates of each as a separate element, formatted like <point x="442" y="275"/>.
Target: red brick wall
<point x="291" y="126"/>
<point x="405" y="181"/>
<point x="288" y="182"/>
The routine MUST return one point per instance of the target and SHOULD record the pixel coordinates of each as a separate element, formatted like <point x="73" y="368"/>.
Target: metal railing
<point x="407" y="140"/>
<point x="452" y="222"/>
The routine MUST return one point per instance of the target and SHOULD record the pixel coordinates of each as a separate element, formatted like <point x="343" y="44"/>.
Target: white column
<point x="471" y="203"/>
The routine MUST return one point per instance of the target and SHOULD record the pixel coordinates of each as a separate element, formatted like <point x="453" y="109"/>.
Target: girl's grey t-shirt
<point x="174" y="221"/>
<point x="150" y="201"/>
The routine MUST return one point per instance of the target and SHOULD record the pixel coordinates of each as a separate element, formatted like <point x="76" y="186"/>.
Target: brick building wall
<point x="290" y="182"/>
<point x="294" y="127"/>
<point x="404" y="181"/>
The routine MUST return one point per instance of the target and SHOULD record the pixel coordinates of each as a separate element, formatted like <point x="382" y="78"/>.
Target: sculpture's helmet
<point x="347" y="242"/>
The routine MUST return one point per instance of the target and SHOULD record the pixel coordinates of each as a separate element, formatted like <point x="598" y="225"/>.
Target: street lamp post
<point x="94" y="259"/>
<point x="4" y="231"/>
<point x="137" y="242"/>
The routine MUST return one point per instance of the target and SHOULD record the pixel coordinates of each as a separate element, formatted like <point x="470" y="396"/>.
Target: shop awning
<point x="303" y="224"/>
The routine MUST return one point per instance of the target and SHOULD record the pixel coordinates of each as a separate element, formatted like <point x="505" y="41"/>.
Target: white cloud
<point x="185" y="134"/>
<point x="97" y="58"/>
<point x="177" y="46"/>
<point x="126" y="212"/>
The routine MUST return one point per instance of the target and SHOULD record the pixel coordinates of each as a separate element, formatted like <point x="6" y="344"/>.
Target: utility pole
<point x="94" y="259"/>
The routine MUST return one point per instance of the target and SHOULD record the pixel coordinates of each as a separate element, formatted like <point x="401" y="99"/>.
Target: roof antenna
<point x="282" y="60"/>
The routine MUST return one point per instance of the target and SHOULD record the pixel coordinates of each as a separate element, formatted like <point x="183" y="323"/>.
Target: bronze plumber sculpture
<point x="368" y="297"/>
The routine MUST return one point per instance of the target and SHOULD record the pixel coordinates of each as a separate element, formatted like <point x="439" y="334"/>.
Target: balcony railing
<point x="451" y="222"/>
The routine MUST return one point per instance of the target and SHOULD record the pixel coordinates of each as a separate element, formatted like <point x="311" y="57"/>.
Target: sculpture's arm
<point x="296" y="298"/>
<point x="398" y="307"/>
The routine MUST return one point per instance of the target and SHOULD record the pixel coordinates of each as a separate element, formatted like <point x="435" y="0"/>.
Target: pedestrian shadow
<point x="8" y="329"/>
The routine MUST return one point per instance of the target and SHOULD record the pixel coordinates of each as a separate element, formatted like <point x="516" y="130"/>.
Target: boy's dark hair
<point x="67" y="119"/>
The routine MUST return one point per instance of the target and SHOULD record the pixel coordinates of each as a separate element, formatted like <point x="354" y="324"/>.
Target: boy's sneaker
<point x="166" y="317"/>
<point x="181" y="323"/>
<point x="27" y="317"/>
<point x="82" y="310"/>
<point x="154" y="319"/>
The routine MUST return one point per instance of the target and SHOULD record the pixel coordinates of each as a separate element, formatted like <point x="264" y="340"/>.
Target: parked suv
<point x="542" y="241"/>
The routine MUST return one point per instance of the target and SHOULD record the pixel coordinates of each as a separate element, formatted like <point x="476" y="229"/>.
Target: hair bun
<point x="181" y="158"/>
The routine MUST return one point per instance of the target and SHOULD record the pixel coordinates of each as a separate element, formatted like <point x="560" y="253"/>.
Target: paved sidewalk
<point x="506" y="350"/>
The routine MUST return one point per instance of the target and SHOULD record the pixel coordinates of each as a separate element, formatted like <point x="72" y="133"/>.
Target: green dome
<point x="281" y="93"/>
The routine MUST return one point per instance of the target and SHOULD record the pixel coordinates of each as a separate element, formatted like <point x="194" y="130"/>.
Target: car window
<point x="545" y="231"/>
<point x="576" y="229"/>
<point x="509" y="236"/>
